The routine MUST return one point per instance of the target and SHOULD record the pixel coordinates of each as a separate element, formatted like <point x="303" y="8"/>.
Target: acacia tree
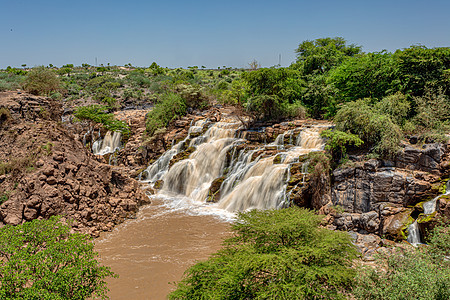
<point x="43" y="260"/>
<point x="321" y="55"/>
<point x="274" y="254"/>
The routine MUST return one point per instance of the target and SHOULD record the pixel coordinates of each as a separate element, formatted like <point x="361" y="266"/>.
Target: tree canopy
<point x="321" y="55"/>
<point x="43" y="260"/>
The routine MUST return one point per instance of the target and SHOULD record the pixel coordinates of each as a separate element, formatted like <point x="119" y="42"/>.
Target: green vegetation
<point x="422" y="273"/>
<point x="99" y="114"/>
<point x="41" y="81"/>
<point x="169" y="107"/>
<point x="274" y="254"/>
<point x="43" y="260"/>
<point x="338" y="141"/>
<point x="273" y="93"/>
<point x="10" y="80"/>
<point x="405" y="92"/>
<point x="376" y="129"/>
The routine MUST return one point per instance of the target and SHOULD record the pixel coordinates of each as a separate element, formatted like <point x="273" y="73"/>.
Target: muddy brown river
<point x="153" y="250"/>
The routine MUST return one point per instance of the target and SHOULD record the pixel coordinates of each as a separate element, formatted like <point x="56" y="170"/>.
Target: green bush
<point x="396" y="106"/>
<point x="41" y="81"/>
<point x="43" y="260"/>
<point x="10" y="81"/>
<point x="193" y="95"/>
<point x="265" y="106"/>
<point x="138" y="78"/>
<point x="99" y="114"/>
<point x="422" y="273"/>
<point x="338" y="141"/>
<point x="169" y="107"/>
<point x="433" y="111"/>
<point x="274" y="254"/>
<point x="375" y="129"/>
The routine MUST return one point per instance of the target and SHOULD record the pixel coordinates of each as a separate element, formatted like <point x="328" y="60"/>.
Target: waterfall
<point x="414" y="234"/>
<point x="159" y="168"/>
<point x="109" y="144"/>
<point x="429" y="207"/>
<point x="249" y="179"/>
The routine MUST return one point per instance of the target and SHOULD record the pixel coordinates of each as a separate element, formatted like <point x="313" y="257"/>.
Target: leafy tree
<point x="421" y="68"/>
<point x="318" y="97"/>
<point x="272" y="90"/>
<point x="372" y="75"/>
<point x="41" y="81"/>
<point x="43" y="260"/>
<point x="321" y="55"/>
<point x="274" y="254"/>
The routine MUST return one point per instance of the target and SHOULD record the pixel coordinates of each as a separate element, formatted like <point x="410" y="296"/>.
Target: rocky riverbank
<point x="46" y="170"/>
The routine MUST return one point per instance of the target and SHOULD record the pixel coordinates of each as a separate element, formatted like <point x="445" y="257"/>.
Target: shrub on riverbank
<point x="169" y="107"/>
<point x="274" y="254"/>
<point x="43" y="260"/>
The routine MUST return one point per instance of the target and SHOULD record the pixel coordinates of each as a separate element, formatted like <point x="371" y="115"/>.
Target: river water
<point x="153" y="250"/>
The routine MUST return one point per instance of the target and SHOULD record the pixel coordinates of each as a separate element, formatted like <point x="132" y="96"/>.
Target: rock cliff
<point x="46" y="171"/>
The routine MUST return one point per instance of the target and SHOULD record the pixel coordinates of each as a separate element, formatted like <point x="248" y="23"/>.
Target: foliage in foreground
<point x="422" y="274"/>
<point x="274" y="254"/>
<point x="43" y="260"/>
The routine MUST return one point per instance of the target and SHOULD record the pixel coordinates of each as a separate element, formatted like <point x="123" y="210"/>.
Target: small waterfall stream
<point x="414" y="235"/>
<point x="109" y="144"/>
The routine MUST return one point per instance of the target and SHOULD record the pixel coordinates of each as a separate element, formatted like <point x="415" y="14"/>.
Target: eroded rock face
<point x="51" y="173"/>
<point x="375" y="195"/>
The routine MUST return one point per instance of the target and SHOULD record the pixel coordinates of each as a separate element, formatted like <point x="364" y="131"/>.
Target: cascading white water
<point x="109" y="144"/>
<point x="159" y="168"/>
<point x="429" y="207"/>
<point x="248" y="181"/>
<point x="192" y="177"/>
<point x="414" y="234"/>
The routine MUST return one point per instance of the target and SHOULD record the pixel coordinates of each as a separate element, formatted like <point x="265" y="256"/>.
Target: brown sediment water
<point x="153" y="250"/>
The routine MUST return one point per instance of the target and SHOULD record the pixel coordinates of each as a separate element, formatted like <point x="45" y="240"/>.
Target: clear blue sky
<point x="212" y="33"/>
